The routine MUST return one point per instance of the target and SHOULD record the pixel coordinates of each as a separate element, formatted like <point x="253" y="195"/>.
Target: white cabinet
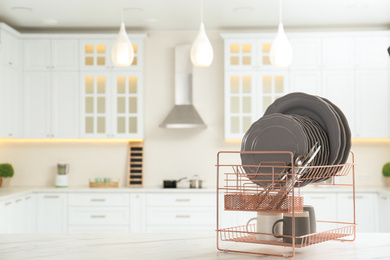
<point x="51" y="213"/>
<point x="98" y="212"/>
<point x="338" y="52"/>
<point x="180" y="212"/>
<point x="111" y="105"/>
<point x="350" y="69"/>
<point x="137" y="213"/>
<point x="10" y="47"/>
<point x="51" y="104"/>
<point x="371" y="52"/>
<point x="384" y="212"/>
<point x="366" y="210"/>
<point x="373" y="103"/>
<point x="95" y="54"/>
<point x="18" y="215"/>
<point x="50" y="54"/>
<point x="306" y="53"/>
<point x="10" y="102"/>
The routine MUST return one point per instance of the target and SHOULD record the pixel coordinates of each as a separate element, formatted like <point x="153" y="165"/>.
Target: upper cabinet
<point x="350" y="69"/>
<point x="50" y="54"/>
<point x="10" y="46"/>
<point x="95" y="54"/>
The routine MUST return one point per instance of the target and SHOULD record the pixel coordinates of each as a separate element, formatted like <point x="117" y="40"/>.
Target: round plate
<point x="344" y="123"/>
<point x="276" y="132"/>
<point x="314" y="107"/>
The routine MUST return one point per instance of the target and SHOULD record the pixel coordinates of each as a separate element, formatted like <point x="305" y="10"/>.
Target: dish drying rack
<point x="239" y="191"/>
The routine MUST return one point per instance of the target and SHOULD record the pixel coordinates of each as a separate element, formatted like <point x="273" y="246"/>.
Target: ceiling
<point x="162" y="15"/>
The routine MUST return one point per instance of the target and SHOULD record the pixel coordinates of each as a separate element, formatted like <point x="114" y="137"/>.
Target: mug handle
<point x="273" y="228"/>
<point x="249" y="221"/>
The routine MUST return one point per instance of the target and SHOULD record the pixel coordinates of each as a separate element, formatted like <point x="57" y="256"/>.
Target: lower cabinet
<point x="17" y="215"/>
<point x="384" y="213"/>
<point x="51" y="213"/>
<point x="98" y="213"/>
<point x="180" y="212"/>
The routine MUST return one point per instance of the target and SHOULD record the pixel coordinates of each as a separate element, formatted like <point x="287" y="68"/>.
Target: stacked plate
<point x="295" y="122"/>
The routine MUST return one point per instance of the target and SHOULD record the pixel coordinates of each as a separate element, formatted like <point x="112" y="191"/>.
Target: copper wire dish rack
<point x="239" y="191"/>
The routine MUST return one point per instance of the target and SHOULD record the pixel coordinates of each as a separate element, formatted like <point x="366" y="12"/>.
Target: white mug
<point x="265" y="221"/>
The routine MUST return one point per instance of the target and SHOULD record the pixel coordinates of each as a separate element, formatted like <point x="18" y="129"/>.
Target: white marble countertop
<point x="171" y="247"/>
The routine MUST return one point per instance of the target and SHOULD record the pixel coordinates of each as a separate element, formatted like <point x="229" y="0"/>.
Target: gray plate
<point x="344" y="123"/>
<point x="276" y="132"/>
<point x="314" y="107"/>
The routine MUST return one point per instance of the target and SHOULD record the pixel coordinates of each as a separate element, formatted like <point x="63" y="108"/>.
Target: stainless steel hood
<point x="183" y="114"/>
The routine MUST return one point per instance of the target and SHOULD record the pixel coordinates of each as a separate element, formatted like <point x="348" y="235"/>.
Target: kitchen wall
<point x="169" y="153"/>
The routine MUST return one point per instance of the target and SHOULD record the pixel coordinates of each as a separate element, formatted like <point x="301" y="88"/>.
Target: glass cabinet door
<point x="95" y="54"/>
<point x="271" y="85"/>
<point x="240" y="54"/>
<point x="127" y="105"/>
<point x="240" y="103"/>
<point x="94" y="106"/>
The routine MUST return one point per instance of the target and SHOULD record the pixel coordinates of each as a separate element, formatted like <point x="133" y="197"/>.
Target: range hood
<point x="183" y="114"/>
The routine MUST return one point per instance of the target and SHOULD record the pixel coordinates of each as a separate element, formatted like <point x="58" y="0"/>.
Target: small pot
<point x="169" y="184"/>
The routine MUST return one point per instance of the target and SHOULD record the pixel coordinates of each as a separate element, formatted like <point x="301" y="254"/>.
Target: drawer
<point x="181" y="216"/>
<point x="181" y="229"/>
<point x="98" y="199"/>
<point x="98" y="229"/>
<point x="98" y="216"/>
<point x="181" y="199"/>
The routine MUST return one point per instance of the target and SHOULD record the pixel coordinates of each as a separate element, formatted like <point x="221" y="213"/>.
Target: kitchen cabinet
<point x="366" y="210"/>
<point x="180" y="212"/>
<point x="51" y="104"/>
<point x="10" y="103"/>
<point x="384" y="213"/>
<point x="10" y="47"/>
<point x="350" y="69"/>
<point x="251" y="83"/>
<point x="373" y="103"/>
<point x="51" y="213"/>
<point x="98" y="212"/>
<point x="50" y="54"/>
<point x="111" y="105"/>
<point x="96" y="54"/>
<point x="18" y="215"/>
<point x="137" y="213"/>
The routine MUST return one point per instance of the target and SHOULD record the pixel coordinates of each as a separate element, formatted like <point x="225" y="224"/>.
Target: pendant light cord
<point x="280" y="11"/>
<point x="201" y="11"/>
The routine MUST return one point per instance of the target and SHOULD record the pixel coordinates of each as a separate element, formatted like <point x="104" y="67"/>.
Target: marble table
<point x="170" y="247"/>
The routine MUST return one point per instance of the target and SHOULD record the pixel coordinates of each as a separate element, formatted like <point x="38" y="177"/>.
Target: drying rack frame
<point x="240" y="191"/>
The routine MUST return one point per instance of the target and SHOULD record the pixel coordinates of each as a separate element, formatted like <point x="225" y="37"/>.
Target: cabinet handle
<point x="10" y="63"/>
<point x="47" y="67"/>
<point x="183" y="200"/>
<point x="183" y="216"/>
<point x="98" y="199"/>
<point x="318" y="197"/>
<point x="52" y="135"/>
<point x="27" y="198"/>
<point x="7" y="203"/>
<point x="98" y="216"/>
<point x="356" y="197"/>
<point x="384" y="198"/>
<point x="18" y="200"/>
<point x="51" y="196"/>
<point x="10" y="134"/>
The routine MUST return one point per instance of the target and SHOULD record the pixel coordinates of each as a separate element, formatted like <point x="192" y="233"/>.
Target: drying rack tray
<point x="242" y="234"/>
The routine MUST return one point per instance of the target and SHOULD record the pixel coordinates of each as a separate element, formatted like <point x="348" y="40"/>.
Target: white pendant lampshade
<point x="122" y="52"/>
<point x="281" y="51"/>
<point x="202" y="53"/>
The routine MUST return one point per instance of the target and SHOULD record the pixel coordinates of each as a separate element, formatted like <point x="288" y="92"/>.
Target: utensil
<point x="171" y="184"/>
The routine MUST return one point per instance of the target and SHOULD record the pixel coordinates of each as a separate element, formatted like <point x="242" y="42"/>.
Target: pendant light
<point x="202" y="53"/>
<point x="281" y="51"/>
<point x="122" y="52"/>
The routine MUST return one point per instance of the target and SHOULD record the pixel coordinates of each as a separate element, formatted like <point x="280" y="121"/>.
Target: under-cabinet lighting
<point x="9" y="140"/>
